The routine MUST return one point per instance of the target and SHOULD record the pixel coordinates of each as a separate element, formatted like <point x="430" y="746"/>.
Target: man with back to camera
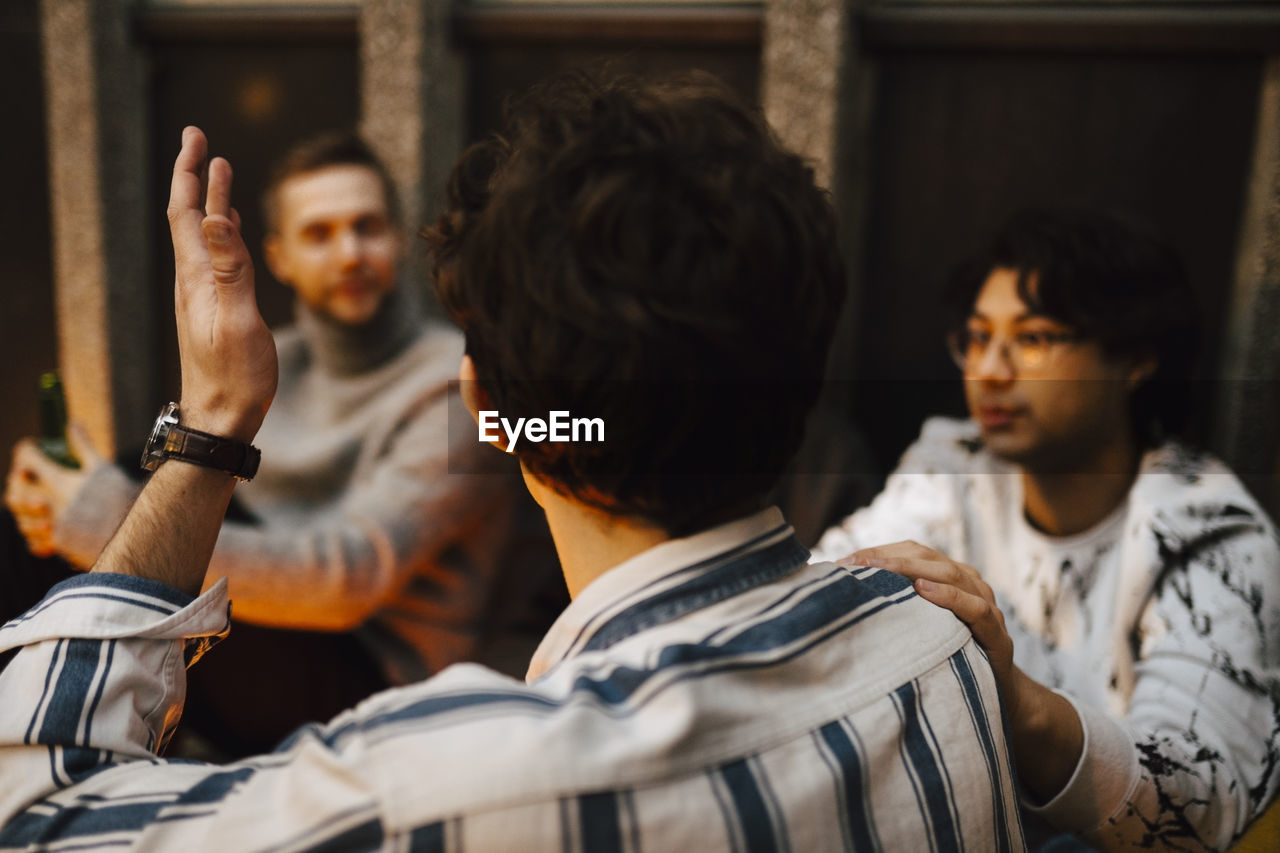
<point x="361" y="532"/>
<point x="640" y="253"/>
<point x="1134" y="582"/>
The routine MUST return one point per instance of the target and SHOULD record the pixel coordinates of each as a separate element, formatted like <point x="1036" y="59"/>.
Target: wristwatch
<point x="170" y="440"/>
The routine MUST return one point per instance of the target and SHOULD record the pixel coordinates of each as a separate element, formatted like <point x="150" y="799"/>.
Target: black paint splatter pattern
<point x="1171" y="627"/>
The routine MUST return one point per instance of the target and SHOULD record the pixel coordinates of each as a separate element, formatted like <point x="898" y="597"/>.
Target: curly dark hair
<point x="646" y="253"/>
<point x="331" y="148"/>
<point x="1115" y="280"/>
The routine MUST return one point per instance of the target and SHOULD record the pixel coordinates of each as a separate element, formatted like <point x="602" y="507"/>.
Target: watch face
<point x="153" y="453"/>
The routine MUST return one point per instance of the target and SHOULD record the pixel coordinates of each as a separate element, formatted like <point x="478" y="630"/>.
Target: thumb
<point x="82" y="446"/>
<point x="228" y="257"/>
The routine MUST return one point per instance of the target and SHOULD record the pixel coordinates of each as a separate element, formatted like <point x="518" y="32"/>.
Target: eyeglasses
<point x="1025" y="351"/>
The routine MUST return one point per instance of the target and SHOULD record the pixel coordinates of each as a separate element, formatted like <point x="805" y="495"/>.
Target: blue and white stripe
<point x="753" y="704"/>
<point x="931" y="781"/>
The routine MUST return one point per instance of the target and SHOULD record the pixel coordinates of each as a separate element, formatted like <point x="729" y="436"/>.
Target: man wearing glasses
<point x="1126" y="587"/>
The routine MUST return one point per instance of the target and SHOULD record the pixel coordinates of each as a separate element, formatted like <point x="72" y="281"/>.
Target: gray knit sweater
<point x="362" y="525"/>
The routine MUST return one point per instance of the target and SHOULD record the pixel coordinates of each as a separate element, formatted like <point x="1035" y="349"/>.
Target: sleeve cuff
<point x="1103" y="779"/>
<point x="101" y="605"/>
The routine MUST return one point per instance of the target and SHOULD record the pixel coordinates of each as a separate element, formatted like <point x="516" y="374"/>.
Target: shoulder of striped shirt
<point x="501" y="732"/>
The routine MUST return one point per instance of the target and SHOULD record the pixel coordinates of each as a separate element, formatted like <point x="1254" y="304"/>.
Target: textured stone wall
<point x="817" y="93"/>
<point x="94" y="84"/>
<point x="412" y="104"/>
<point x="806" y="49"/>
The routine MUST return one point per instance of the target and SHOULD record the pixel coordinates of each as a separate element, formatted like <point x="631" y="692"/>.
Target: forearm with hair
<point x="169" y="533"/>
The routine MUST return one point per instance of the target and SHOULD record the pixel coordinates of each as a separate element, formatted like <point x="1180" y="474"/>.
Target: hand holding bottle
<point x="39" y="488"/>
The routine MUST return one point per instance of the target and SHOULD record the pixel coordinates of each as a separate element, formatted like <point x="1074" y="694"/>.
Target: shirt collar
<point x="668" y="580"/>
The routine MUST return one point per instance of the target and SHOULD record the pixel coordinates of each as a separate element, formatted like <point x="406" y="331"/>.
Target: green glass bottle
<point x="53" y="420"/>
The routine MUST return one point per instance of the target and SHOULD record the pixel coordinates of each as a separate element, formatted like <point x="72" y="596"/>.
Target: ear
<point x="275" y="258"/>
<point x="476" y="399"/>
<point x="1142" y="369"/>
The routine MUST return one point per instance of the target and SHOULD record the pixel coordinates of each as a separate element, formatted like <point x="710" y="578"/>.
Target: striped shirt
<point x="715" y="693"/>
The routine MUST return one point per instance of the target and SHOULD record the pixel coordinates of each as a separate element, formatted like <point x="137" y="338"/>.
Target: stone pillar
<point x="806" y="50"/>
<point x="1249" y="398"/>
<point x="412" y="107"/>
<point x="817" y="93"/>
<point x="94" y="81"/>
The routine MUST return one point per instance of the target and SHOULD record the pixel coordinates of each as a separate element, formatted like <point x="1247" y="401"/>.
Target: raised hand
<point x="229" y="366"/>
<point x="229" y="371"/>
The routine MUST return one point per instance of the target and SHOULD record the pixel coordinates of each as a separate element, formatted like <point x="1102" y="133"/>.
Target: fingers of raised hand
<point x="228" y="257"/>
<point x="186" y="208"/>
<point x="185" y="189"/>
<point x="228" y="355"/>
<point x="218" y="199"/>
<point x="227" y="254"/>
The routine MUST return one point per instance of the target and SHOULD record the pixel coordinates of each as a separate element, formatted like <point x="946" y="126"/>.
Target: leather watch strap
<point x="239" y="459"/>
